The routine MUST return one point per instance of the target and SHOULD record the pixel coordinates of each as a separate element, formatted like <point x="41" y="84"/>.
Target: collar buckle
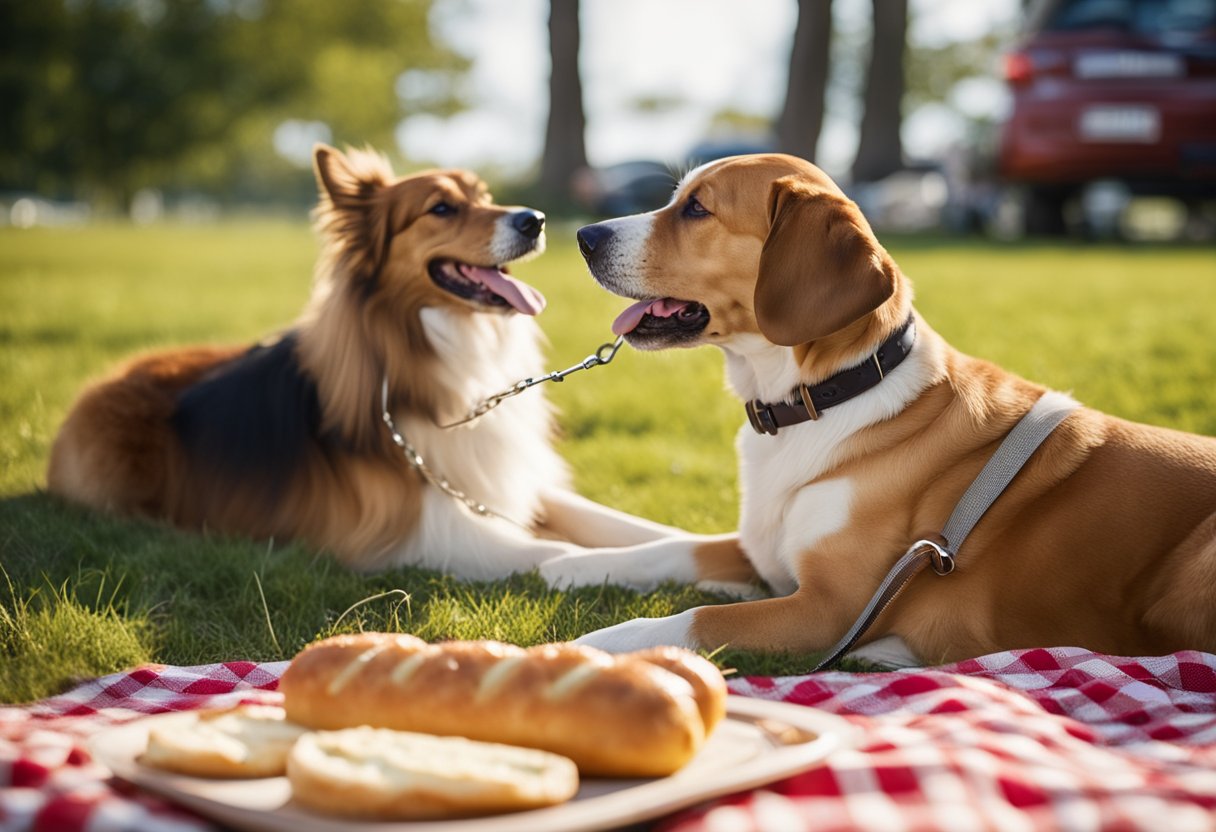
<point x="804" y="393"/>
<point x="761" y="417"/>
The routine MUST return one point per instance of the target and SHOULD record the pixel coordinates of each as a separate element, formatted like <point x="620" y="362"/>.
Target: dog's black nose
<point x="590" y="236"/>
<point x="528" y="222"/>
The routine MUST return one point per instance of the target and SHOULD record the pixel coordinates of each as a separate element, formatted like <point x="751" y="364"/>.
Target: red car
<point x="1112" y="89"/>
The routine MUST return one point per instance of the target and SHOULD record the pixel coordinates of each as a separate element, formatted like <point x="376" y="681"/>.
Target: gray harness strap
<point x="1020" y="444"/>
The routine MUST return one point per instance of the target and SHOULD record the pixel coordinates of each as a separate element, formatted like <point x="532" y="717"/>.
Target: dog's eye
<point x="443" y="209"/>
<point x="694" y="208"/>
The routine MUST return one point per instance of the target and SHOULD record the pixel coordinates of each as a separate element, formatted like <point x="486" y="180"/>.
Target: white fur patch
<point x="616" y="267"/>
<point x="509" y="246"/>
<point x="815" y="512"/>
<point x="735" y="589"/>
<point x="639" y="567"/>
<point x="453" y="540"/>
<point x="588" y="523"/>
<point x="641" y="633"/>
<point x="758" y="369"/>
<point x="889" y="651"/>
<point x="503" y="460"/>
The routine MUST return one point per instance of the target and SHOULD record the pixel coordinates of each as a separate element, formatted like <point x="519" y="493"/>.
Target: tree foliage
<point x="102" y="97"/>
<point x="934" y="71"/>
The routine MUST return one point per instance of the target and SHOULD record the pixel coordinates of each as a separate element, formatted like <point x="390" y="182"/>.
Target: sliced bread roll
<point x="379" y="773"/>
<point x="246" y="741"/>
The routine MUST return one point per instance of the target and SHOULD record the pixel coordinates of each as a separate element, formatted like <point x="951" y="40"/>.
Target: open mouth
<point x="661" y="319"/>
<point x="487" y="287"/>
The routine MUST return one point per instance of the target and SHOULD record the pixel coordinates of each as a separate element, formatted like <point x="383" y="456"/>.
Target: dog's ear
<point x="349" y="179"/>
<point x="353" y="212"/>
<point x="821" y="267"/>
<point x="329" y="165"/>
<point x="353" y="216"/>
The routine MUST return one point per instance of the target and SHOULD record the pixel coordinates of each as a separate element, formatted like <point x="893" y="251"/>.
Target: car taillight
<point x="1019" y="69"/>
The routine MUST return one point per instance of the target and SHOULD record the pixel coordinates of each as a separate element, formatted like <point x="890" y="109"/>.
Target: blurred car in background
<point x="643" y="185"/>
<point x="1119" y="90"/>
<point x="912" y="200"/>
<point x="624" y="188"/>
<point x="720" y="148"/>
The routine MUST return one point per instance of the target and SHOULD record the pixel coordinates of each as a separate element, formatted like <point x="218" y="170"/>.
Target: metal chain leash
<point x="419" y="464"/>
<point x="601" y="356"/>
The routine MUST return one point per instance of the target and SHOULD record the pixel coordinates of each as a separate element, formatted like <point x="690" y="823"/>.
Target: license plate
<point x="1120" y="124"/>
<point x="1129" y="65"/>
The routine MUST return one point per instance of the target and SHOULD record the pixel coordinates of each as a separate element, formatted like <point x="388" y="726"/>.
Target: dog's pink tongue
<point x="520" y="295"/>
<point x="628" y="320"/>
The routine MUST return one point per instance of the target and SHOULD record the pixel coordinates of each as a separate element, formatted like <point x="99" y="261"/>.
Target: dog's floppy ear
<point x="821" y="267"/>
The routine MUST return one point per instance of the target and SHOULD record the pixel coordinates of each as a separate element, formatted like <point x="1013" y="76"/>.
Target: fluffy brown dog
<point x="285" y="439"/>
<point x="1105" y="539"/>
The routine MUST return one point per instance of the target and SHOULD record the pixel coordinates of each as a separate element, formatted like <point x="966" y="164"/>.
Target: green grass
<point x="1127" y="330"/>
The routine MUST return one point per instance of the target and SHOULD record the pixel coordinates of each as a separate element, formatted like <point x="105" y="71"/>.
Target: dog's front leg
<point x="791" y="623"/>
<point x="587" y="523"/>
<point x="715" y="563"/>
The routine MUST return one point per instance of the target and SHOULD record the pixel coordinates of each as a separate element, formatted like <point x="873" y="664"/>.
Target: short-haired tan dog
<point x="1105" y="539"/>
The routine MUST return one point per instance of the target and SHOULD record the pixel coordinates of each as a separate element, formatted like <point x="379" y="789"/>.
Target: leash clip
<point x="602" y="356"/>
<point x="940" y="558"/>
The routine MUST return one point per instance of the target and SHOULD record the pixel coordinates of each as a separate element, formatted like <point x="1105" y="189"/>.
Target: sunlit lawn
<point x="1127" y="330"/>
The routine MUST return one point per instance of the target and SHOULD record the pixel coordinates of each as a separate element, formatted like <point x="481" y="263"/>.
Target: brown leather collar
<point x="808" y="401"/>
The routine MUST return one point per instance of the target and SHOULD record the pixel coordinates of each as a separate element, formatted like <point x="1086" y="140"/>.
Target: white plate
<point x="1140" y="124"/>
<point x="757" y="743"/>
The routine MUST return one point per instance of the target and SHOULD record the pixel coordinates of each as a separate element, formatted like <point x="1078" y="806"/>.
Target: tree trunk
<point x="801" y="116"/>
<point x="879" y="149"/>
<point x="565" y="151"/>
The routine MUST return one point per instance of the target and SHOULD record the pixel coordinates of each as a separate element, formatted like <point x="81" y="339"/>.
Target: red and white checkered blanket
<point x="1024" y="740"/>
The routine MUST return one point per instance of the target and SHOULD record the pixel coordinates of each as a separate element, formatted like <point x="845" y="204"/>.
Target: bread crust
<point x="377" y="773"/>
<point x="708" y="686"/>
<point x="615" y="716"/>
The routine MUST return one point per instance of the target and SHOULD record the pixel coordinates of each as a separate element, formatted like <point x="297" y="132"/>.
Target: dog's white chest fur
<point x="504" y="459"/>
<point x="774" y="470"/>
<point x="781" y="515"/>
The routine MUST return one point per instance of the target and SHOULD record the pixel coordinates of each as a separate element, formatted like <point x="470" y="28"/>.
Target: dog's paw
<point x="641" y="633"/>
<point x="561" y="572"/>
<point x="567" y="571"/>
<point x="890" y="652"/>
<point x="564" y="572"/>
<point x="742" y="590"/>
